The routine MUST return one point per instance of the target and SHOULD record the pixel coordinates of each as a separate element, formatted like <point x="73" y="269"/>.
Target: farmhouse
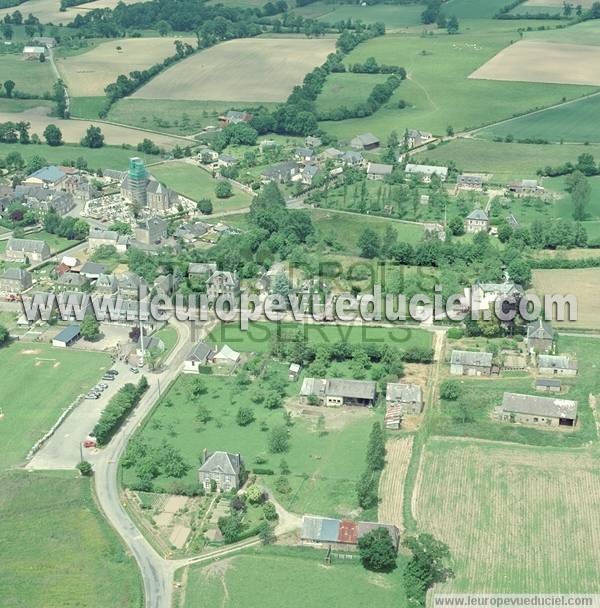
<point x="525" y="187"/>
<point x="222" y="283"/>
<point x="470" y="363"/>
<point x="234" y="117"/>
<point x="469" y="181"/>
<point x="308" y="174"/>
<point x="199" y="356"/>
<point x="366" y="141"/>
<point x="71" y="281"/>
<point x="338" y="391"/>
<point x="15" y="281"/>
<point x="556" y="365"/>
<point x="224" y="468"/>
<point x="485" y="295"/>
<point x="226" y="160"/>
<point x="540" y="336"/>
<point x="27" y="250"/>
<point x="43" y="198"/>
<point x="332" y="154"/>
<point x="378" y="171"/>
<point x="191" y="231"/>
<point x="548" y="385"/>
<point x="353" y="159"/>
<point x="413" y="138"/>
<point x="426" y="172"/>
<point x="341" y="533"/>
<point x="33" y="53"/>
<point x="531" y="409"/>
<point x="305" y="155"/>
<point x="280" y="172"/>
<point x="477" y="221"/>
<point x="69" y="335"/>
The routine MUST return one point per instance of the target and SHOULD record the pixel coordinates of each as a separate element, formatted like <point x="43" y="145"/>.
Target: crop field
<point x="391" y="484"/>
<point x="241" y="581"/>
<point x="41" y="384"/>
<point x="87" y="74"/>
<point x="325" y="463"/>
<point x="438" y="91"/>
<point x="572" y="122"/>
<point x="258" y="69"/>
<point x="57" y="549"/>
<point x="583" y="33"/>
<point x="196" y="184"/>
<point x="48" y="11"/>
<point x="347" y="89"/>
<point x="493" y="503"/>
<point x="29" y="76"/>
<point x="582" y="283"/>
<point x="532" y="61"/>
<point x="73" y="130"/>
<point x="504" y="161"/>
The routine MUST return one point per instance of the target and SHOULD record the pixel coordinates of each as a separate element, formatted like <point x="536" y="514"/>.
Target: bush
<point x="262" y="471"/>
<point x="455" y="333"/>
<point x="270" y="512"/>
<point x="450" y="390"/>
<point x="223" y="189"/>
<point x="85" y="468"/>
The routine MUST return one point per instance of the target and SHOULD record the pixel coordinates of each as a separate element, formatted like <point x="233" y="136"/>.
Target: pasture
<point x="549" y="62"/>
<point x="241" y="582"/>
<point x="29" y="76"/>
<point x="87" y="74"/>
<point x="347" y="89"/>
<point x="438" y="91"/>
<point x="586" y="32"/>
<point x="582" y="283"/>
<point x="257" y="69"/>
<point x="196" y="184"/>
<point x="572" y="122"/>
<point x="493" y="503"/>
<point x="325" y="462"/>
<point x="40" y="385"/>
<point x="57" y="549"/>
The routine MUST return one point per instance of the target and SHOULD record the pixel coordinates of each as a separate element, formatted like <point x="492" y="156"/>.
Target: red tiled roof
<point x="348" y="532"/>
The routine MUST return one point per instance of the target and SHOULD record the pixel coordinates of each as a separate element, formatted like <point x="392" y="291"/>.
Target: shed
<point x="67" y="336"/>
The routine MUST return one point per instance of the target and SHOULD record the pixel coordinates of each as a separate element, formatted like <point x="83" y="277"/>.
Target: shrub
<point x="450" y="390"/>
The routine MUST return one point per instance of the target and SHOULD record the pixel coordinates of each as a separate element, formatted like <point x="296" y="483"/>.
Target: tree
<point x="504" y="232"/>
<point x="369" y="243"/>
<point x="121" y="227"/>
<point x="90" y="328"/>
<point x="279" y="441"/>
<point x="376" y="448"/>
<point x="270" y="512"/>
<point x="9" y="86"/>
<point x="93" y="138"/>
<point x="457" y="226"/>
<point x="266" y="534"/>
<point x="450" y="390"/>
<point x="198" y="388"/>
<point x="231" y="527"/>
<point x="366" y="490"/>
<point x="163" y="27"/>
<point x="452" y="25"/>
<point x="223" y="189"/>
<point x="244" y="416"/>
<point x="52" y="135"/>
<point x="254" y="494"/>
<point x="85" y="468"/>
<point x="426" y="567"/>
<point x="581" y="192"/>
<point x="4" y="335"/>
<point x="205" y="206"/>
<point x="377" y="551"/>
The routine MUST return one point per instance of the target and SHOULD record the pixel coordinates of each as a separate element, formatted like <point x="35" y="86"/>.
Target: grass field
<point x="259" y="335"/>
<point x="196" y="183"/>
<point x="438" y="91"/>
<point x="324" y="465"/>
<point x="241" y="582"/>
<point x="473" y="9"/>
<point x="48" y="11"/>
<point x="582" y="33"/>
<point x="20" y="105"/>
<point x="108" y="157"/>
<point x="493" y="504"/>
<point x="505" y="161"/>
<point x="41" y="384"/>
<point x="573" y="122"/>
<point x="28" y="76"/>
<point x="88" y="73"/>
<point x="347" y="89"/>
<point x="56" y="548"/>
<point x="260" y="69"/>
<point x="56" y="243"/>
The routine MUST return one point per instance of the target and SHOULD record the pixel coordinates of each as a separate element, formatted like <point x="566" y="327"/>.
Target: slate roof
<point x="426" y="169"/>
<point x="227" y="277"/>
<point x="49" y="173"/>
<point x="201" y="352"/>
<point x="92" y="268"/>
<point x="225" y="462"/>
<point x="539" y="406"/>
<point x="202" y="268"/>
<point x="465" y="357"/>
<point x="548" y="382"/>
<point x="366" y="139"/>
<point x="68" y="333"/>
<point x="557" y="362"/>
<point x="478" y="214"/>
<point x="403" y="392"/>
<point x="30" y="245"/>
<point x="15" y="274"/>
<point x="379" y="169"/>
<point x="540" y="329"/>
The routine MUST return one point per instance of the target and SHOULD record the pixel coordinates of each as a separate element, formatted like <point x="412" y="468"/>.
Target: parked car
<point x="113" y="372"/>
<point x="134" y="370"/>
<point x="105" y="377"/>
<point x="92" y="396"/>
<point x="103" y="386"/>
<point x="89" y="442"/>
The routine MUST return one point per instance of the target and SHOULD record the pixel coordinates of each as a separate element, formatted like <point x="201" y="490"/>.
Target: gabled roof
<point x="426" y="169"/>
<point x="478" y="214"/>
<point x="321" y="529"/>
<point x="200" y="353"/>
<point x="107" y="281"/>
<point x="367" y="139"/>
<point x="27" y="245"/>
<point x="339" y="387"/>
<point x="540" y="329"/>
<point x="49" y="173"/>
<point x="68" y="333"/>
<point x="379" y="169"/>
<point x="224" y="462"/>
<point x="92" y="268"/>
<point x="226" y="276"/>
<point x="207" y="268"/>
<point x="226" y="353"/>
<point x="539" y="406"/>
<point x="557" y="362"/>
<point x="15" y="274"/>
<point x="466" y="357"/>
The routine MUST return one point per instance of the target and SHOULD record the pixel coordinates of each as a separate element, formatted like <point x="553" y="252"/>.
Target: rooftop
<point x="539" y="406"/>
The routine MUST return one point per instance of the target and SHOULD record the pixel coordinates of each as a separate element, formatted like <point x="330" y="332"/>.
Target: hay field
<point x="48" y="11"/>
<point x="73" y="130"/>
<point x="88" y="74"/>
<point x="516" y="519"/>
<point x="263" y="69"/>
<point x="529" y="61"/>
<point x="391" y="484"/>
<point x="582" y="283"/>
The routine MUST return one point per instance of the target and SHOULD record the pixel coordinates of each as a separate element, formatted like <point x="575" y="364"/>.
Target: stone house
<point x="15" y="281"/>
<point x="477" y="221"/>
<point x="556" y="365"/>
<point x="540" y="337"/>
<point x="27" y="250"/>
<point x="470" y="363"/>
<point x="222" y="283"/>
<point x="378" y="171"/>
<point x="224" y="468"/>
<point x="366" y="141"/>
<point x="534" y="409"/>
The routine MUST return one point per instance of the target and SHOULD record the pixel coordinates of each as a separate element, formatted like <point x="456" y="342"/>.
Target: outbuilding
<point x="68" y="336"/>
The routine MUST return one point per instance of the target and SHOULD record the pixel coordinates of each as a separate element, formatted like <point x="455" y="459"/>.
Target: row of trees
<point x="368" y="483"/>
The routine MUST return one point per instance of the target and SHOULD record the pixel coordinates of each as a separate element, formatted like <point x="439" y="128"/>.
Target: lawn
<point x="259" y="335"/>
<point x="505" y="162"/>
<point x="169" y="336"/>
<point x="573" y="122"/>
<point x="502" y="511"/>
<point x="325" y="464"/>
<point x="241" y="582"/>
<point x="56" y="243"/>
<point x="29" y="76"/>
<point x="56" y="549"/>
<point x="479" y="396"/>
<point x="40" y="385"/>
<point x="438" y="91"/>
<point x="108" y="157"/>
<point x="196" y="184"/>
<point x="347" y="89"/>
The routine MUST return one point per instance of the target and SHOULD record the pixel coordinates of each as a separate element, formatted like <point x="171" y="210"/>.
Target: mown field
<point x="241" y="582"/>
<point x="347" y="89"/>
<point x="31" y="77"/>
<point x="196" y="183"/>
<point x="40" y="385"/>
<point x="582" y="33"/>
<point x="56" y="548"/>
<point x="501" y="509"/>
<point x="438" y="91"/>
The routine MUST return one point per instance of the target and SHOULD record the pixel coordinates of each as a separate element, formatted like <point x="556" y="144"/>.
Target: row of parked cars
<point x="96" y="391"/>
